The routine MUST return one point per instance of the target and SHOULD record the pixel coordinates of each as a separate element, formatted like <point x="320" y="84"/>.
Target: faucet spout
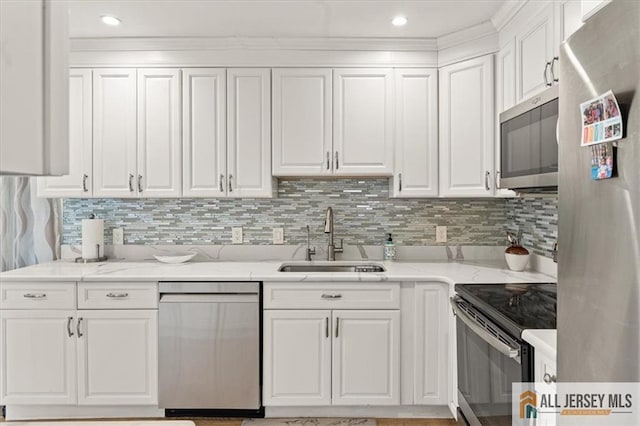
<point x="328" y="229"/>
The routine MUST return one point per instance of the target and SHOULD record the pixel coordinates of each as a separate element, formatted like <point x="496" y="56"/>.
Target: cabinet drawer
<point x="38" y="295"/>
<point x="334" y="295"/>
<point x="118" y="296"/>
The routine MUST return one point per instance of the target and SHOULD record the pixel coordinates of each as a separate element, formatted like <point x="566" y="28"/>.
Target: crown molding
<point x="448" y="41"/>
<point x="252" y="43"/>
<point x="507" y="11"/>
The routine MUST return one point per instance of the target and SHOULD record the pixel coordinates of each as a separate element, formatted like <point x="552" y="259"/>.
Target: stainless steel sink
<point x="340" y="267"/>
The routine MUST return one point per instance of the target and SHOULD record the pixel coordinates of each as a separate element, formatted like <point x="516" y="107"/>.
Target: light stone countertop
<point x="451" y="272"/>
<point x="542" y="340"/>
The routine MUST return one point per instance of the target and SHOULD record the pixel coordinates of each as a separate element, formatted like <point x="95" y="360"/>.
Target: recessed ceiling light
<point x="399" y="21"/>
<point x="110" y="20"/>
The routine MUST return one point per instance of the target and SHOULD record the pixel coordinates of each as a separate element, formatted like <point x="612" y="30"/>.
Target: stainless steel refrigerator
<point x="599" y="221"/>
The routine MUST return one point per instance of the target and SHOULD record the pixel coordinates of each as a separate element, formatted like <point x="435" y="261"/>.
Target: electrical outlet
<point x="118" y="236"/>
<point x="278" y="236"/>
<point x="441" y="234"/>
<point x="236" y="235"/>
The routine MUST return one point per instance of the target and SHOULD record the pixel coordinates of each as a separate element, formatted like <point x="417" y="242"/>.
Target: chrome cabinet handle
<point x="230" y="187"/>
<point x="400" y="182"/>
<point x="139" y="183"/>
<point x="117" y="295"/>
<point x="546" y="68"/>
<point x="78" y="327"/>
<point x="553" y="73"/>
<point x="35" y="295"/>
<point x="328" y="160"/>
<point x="337" y="161"/>
<point x="337" y="326"/>
<point x="548" y="378"/>
<point x="69" y="332"/>
<point x="84" y="183"/>
<point x="487" y="175"/>
<point x="497" y="182"/>
<point x="326" y="327"/>
<point x="221" y="183"/>
<point x="332" y="296"/>
<point x="130" y="182"/>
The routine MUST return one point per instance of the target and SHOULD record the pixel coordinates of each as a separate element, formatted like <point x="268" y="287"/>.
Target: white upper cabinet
<point x="158" y="143"/>
<point x="302" y="122"/>
<point x="466" y="128"/>
<point x="366" y="358"/>
<point x="363" y="121"/>
<point x="34" y="77"/>
<point x="536" y="45"/>
<point x="114" y="133"/>
<point x="79" y="181"/>
<point x="249" y="132"/>
<point x="416" y="141"/>
<point x="38" y="357"/>
<point x="204" y="143"/>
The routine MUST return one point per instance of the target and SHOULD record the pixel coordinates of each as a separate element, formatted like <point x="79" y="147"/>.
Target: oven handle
<point x="485" y="335"/>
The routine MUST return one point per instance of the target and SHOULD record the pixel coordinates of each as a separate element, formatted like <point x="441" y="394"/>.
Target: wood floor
<point x="381" y="422"/>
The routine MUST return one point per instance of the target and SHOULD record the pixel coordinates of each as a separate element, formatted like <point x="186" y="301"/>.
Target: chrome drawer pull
<point x="69" y="332"/>
<point x="332" y="296"/>
<point x="117" y="295"/>
<point x="35" y="295"/>
<point x="78" y="328"/>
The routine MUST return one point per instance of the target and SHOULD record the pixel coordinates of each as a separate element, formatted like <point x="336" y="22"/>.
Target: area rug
<point x="309" y="422"/>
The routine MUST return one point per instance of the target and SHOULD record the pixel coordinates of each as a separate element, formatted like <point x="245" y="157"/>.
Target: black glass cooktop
<point x="516" y="307"/>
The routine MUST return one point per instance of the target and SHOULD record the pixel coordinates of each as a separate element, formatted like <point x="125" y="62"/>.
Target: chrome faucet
<point x="328" y="229"/>
<point x="309" y="251"/>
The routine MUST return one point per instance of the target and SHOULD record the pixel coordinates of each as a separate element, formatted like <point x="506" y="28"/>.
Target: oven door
<point x="489" y="362"/>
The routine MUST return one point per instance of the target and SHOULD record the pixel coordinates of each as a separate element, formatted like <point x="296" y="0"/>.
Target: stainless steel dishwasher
<point x="209" y="355"/>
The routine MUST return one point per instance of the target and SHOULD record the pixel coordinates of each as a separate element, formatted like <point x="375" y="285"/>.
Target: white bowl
<point x="176" y="258"/>
<point x="517" y="262"/>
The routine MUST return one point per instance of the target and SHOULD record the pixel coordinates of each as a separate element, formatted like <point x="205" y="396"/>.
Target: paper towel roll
<point x="92" y="235"/>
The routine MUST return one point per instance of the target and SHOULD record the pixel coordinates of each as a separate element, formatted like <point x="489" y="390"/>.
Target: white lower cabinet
<point x="37" y="357"/>
<point x="339" y="357"/>
<point x="431" y="343"/>
<point x="366" y="358"/>
<point x="117" y="357"/>
<point x="297" y="357"/>
<point x="52" y="355"/>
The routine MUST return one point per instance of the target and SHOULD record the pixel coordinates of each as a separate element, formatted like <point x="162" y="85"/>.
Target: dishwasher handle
<point x="209" y="298"/>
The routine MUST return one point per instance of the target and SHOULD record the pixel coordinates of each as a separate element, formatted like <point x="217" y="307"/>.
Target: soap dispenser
<point x="389" y="249"/>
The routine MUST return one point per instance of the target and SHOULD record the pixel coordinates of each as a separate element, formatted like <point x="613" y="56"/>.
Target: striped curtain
<point x="29" y="226"/>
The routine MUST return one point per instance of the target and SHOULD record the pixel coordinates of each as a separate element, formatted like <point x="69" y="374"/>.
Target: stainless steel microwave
<point x="529" y="143"/>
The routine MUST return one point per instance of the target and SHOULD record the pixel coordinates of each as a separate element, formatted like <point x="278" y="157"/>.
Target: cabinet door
<point x="431" y="338"/>
<point x="366" y="358"/>
<point x="204" y="134"/>
<point x="297" y="358"/>
<point x="363" y="121"/>
<point x="118" y="357"/>
<point x="114" y="132"/>
<point x="79" y="181"/>
<point x="505" y="99"/>
<point x="466" y="128"/>
<point x="159" y="157"/>
<point x="416" y="143"/>
<point x="249" y="132"/>
<point x="302" y="139"/>
<point x="534" y="48"/>
<point x="37" y="357"/>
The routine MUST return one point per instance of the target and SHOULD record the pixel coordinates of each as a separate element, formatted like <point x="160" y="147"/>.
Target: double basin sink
<point x="331" y="267"/>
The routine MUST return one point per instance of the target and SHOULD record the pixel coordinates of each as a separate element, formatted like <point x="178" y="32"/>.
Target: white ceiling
<point x="277" y="18"/>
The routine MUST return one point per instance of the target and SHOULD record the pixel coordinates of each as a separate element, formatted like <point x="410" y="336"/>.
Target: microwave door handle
<point x="484" y="335"/>
<point x="557" y="132"/>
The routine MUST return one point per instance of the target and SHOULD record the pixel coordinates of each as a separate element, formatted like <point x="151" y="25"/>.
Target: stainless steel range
<point x="490" y="319"/>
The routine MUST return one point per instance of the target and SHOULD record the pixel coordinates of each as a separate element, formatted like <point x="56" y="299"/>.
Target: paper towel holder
<point x="94" y="259"/>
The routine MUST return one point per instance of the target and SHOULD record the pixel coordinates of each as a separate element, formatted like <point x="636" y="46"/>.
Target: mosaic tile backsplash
<point x="537" y="218"/>
<point x="363" y="214"/>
